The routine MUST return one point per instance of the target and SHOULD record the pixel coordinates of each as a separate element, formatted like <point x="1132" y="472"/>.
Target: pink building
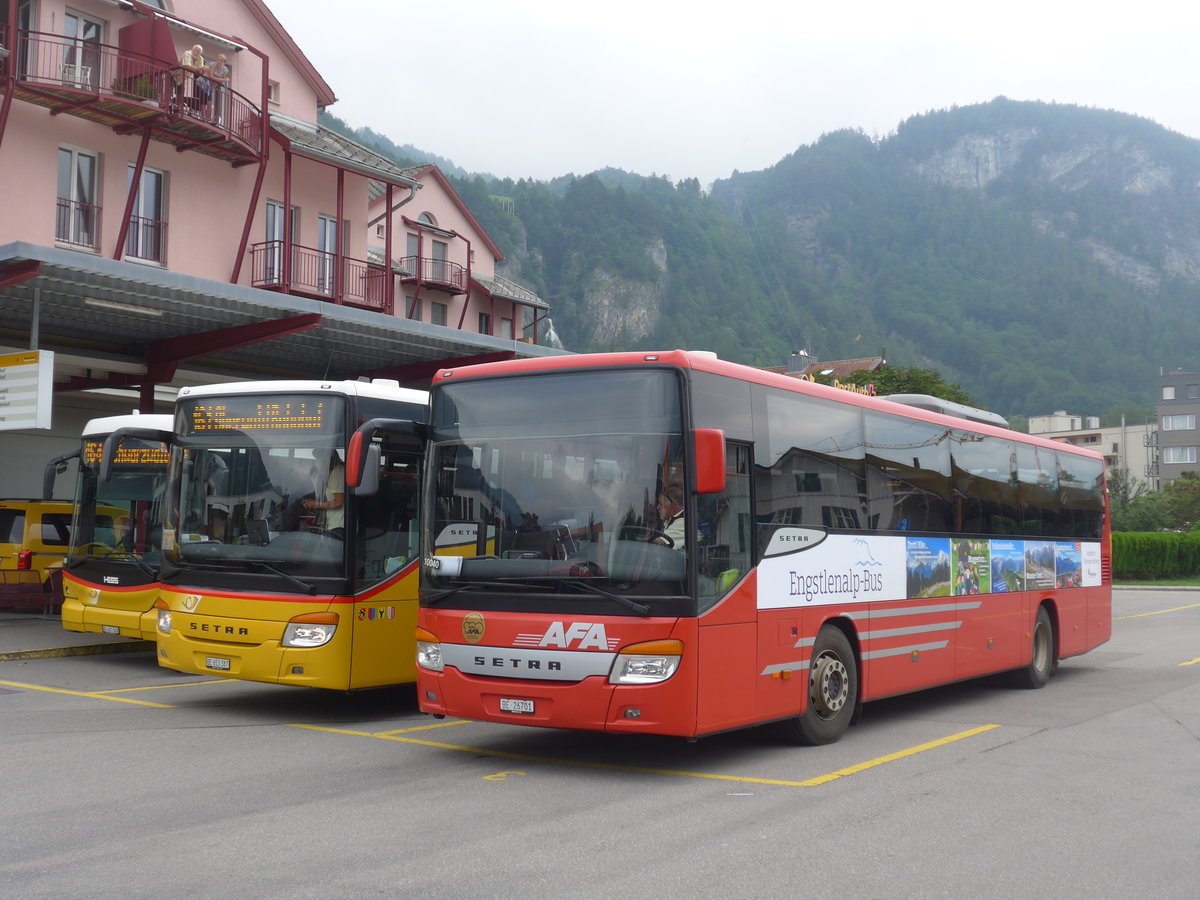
<point x="164" y="226"/>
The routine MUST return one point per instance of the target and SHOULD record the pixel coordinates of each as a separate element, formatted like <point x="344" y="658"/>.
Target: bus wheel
<point x="832" y="691"/>
<point x="1042" y="661"/>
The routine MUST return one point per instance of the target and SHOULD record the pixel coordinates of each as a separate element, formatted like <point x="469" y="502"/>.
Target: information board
<point x="26" y="389"/>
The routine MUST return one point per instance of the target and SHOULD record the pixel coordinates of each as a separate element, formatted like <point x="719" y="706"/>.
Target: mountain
<point x="1043" y="256"/>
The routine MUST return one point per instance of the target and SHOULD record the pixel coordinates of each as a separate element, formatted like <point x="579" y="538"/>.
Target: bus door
<point x="727" y="603"/>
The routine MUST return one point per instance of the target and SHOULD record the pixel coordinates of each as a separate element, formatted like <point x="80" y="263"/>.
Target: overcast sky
<point x="540" y="88"/>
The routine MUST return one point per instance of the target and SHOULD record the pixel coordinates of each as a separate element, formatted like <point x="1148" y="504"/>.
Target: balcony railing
<point x="147" y="239"/>
<point x="316" y="273"/>
<point x="436" y="273"/>
<point x="128" y="89"/>
<point x="77" y="224"/>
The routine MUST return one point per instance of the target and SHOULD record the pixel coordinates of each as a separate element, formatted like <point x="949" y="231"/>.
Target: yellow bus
<point x="110" y="577"/>
<point x="291" y="542"/>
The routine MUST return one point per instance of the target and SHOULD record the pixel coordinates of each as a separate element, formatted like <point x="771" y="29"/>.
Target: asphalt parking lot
<point x="123" y="779"/>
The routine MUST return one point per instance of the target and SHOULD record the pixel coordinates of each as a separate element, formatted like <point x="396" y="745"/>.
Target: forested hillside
<point x="1043" y="256"/>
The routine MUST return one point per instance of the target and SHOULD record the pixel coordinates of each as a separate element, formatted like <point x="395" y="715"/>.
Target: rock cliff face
<point x="975" y="160"/>
<point x="1143" y="186"/>
<point x="611" y="311"/>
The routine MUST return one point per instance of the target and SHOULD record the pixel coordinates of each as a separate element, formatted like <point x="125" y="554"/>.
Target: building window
<point x="1178" y="423"/>
<point x="437" y="313"/>
<point x="412" y="249"/>
<point x="78" y="219"/>
<point x="272" y="256"/>
<point x="1193" y="391"/>
<point x="379" y="232"/>
<point x="414" y="309"/>
<point x="1116" y="448"/>
<point x="147" y="236"/>
<point x="81" y="55"/>
<point x="440" y="271"/>
<point x="1178" y="455"/>
<point x="485" y="323"/>
<point x="1169" y="392"/>
<point x="273" y="92"/>
<point x="506" y="328"/>
<point x="327" y="248"/>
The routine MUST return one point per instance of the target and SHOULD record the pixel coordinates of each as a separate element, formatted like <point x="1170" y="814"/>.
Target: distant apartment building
<point x="1126" y="446"/>
<point x="1178" y="439"/>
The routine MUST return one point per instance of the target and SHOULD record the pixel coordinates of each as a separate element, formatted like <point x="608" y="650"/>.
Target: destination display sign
<point x="249" y="414"/>
<point x="142" y="454"/>
<point x="26" y="389"/>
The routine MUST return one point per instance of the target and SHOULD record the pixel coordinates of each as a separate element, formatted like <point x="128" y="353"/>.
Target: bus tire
<point x="1042" y="661"/>
<point x="832" y="691"/>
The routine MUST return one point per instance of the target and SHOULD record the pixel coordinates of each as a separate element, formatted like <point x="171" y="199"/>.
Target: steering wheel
<point x="317" y="529"/>
<point x="91" y="546"/>
<point x="647" y="534"/>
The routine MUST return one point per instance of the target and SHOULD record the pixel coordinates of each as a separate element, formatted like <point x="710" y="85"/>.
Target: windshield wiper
<point x="123" y="557"/>
<point x="439" y="596"/>
<point x="169" y="570"/>
<point x="640" y="608"/>
<point x="306" y="586"/>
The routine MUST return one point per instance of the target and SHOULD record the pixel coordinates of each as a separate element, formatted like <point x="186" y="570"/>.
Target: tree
<point x="1182" y="497"/>
<point x="1132" y="505"/>
<point x="911" y="380"/>
<point x="1147" y="513"/>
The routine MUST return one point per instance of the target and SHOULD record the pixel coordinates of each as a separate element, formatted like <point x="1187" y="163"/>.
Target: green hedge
<point x="1155" y="554"/>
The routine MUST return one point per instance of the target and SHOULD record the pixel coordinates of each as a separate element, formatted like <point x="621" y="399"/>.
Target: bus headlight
<point x="646" y="663"/>
<point x="310" y="630"/>
<point x="164" y="617"/>
<point x="429" y="651"/>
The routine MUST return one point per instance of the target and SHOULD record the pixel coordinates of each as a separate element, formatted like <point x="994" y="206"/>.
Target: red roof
<point x="835" y="368"/>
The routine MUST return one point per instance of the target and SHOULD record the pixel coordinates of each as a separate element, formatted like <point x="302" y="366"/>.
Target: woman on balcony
<point x="220" y="76"/>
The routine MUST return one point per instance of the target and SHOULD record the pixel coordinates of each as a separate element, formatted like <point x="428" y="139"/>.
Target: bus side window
<point x="726" y="530"/>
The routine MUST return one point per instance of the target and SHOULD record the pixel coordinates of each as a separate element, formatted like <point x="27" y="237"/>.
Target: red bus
<point x="667" y="543"/>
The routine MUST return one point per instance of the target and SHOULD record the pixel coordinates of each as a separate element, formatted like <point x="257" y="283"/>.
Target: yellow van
<point x="34" y="537"/>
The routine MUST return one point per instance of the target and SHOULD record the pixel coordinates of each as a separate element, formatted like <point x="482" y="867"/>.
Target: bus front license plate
<point x="216" y="662"/>
<point x="516" y="706"/>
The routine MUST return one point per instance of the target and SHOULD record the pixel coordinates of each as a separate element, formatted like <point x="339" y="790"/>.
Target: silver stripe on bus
<point x="901" y="651"/>
<point x="912" y="629"/>
<point x="886" y="612"/>
<point x="786" y="667"/>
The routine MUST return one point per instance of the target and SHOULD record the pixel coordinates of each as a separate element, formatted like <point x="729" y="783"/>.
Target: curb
<point x="82" y="650"/>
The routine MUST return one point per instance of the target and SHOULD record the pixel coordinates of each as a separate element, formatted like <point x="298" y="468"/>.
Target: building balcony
<point x="315" y="273"/>
<point x="434" y="274"/>
<point x="129" y="93"/>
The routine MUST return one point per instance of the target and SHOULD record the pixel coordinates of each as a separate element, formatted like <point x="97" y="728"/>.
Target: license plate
<point x="516" y="706"/>
<point x="216" y="662"/>
<point x="110" y="629"/>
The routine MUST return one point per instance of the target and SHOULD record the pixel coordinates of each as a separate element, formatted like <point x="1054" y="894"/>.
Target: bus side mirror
<point x="368" y="477"/>
<point x="359" y="461"/>
<point x="112" y="444"/>
<point x="54" y="468"/>
<point x="710" y="460"/>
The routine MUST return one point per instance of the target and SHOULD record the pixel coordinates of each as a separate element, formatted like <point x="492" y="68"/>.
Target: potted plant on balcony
<point x="139" y="87"/>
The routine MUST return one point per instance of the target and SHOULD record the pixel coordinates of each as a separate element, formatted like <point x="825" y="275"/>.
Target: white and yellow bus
<point x="291" y="544"/>
<point x="110" y="576"/>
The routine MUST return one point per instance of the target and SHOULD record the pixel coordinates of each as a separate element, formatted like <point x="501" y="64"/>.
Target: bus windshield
<point x="119" y="519"/>
<point x="561" y="485"/>
<point x="260" y="485"/>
